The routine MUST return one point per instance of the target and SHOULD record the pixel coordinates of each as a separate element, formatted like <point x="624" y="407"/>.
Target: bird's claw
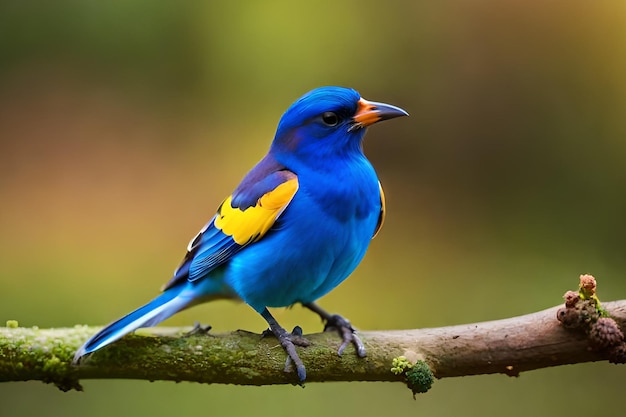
<point x="347" y="333"/>
<point x="289" y="341"/>
<point x="295" y="336"/>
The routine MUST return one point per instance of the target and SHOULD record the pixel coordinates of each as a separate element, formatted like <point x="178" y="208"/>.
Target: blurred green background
<point x="123" y="124"/>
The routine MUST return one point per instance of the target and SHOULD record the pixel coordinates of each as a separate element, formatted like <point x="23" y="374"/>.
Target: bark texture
<point x="508" y="346"/>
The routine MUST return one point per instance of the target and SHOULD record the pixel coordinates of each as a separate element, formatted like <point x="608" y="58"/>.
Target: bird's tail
<point x="165" y="305"/>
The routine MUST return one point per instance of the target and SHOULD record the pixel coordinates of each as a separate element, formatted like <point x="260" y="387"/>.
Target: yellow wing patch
<point x="383" y="211"/>
<point x="249" y="225"/>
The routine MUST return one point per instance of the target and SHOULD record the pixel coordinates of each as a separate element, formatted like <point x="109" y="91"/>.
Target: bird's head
<point x="327" y="122"/>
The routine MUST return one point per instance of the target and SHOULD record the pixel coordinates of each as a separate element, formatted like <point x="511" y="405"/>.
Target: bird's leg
<point x="288" y="342"/>
<point x="343" y="326"/>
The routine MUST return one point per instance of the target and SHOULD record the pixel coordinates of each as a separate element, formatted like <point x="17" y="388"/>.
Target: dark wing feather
<point x="241" y="219"/>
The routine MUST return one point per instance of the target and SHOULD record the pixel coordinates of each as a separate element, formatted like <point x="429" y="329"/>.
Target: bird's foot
<point x="198" y="329"/>
<point x="347" y="333"/>
<point x="295" y="336"/>
<point x="288" y="341"/>
<point x="343" y="327"/>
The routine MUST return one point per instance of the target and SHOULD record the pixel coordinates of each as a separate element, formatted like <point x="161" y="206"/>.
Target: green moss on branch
<point x="246" y="358"/>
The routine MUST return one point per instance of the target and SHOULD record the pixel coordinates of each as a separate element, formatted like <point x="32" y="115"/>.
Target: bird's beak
<point x="370" y="112"/>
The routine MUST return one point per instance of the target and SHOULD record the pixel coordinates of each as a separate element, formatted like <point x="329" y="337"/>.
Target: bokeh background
<point x="124" y="123"/>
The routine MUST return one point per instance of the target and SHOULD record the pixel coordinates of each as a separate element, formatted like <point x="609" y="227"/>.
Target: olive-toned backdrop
<point x="123" y="124"/>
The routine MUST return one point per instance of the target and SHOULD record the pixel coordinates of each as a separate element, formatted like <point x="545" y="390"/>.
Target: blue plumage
<point x="296" y="226"/>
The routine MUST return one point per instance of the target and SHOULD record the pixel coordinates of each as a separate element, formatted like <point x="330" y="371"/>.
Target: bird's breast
<point x="347" y="195"/>
<point x="314" y="245"/>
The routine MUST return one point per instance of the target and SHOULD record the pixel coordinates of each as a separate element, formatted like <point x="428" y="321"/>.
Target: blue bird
<point x="296" y="226"/>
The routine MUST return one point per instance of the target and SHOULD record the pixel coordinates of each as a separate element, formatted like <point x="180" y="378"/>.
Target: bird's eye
<point x="330" y="119"/>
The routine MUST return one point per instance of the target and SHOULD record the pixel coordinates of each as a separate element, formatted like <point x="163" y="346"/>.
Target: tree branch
<point x="507" y="346"/>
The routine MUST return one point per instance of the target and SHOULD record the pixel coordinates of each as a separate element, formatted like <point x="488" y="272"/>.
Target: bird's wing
<point x="381" y="216"/>
<point x="243" y="218"/>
